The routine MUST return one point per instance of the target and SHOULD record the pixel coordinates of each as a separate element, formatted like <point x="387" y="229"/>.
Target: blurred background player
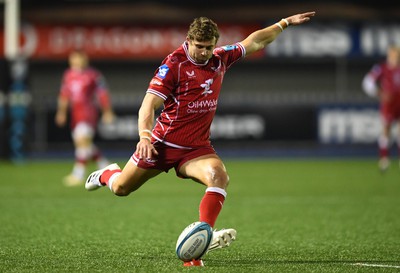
<point x="187" y="84"/>
<point x="83" y="92"/>
<point x="383" y="82"/>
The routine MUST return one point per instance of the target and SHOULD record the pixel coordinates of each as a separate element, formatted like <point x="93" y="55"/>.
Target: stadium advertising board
<point x="336" y="40"/>
<point x="229" y="125"/>
<point x="113" y="42"/>
<point x="349" y="124"/>
<point x="154" y="42"/>
<point x="327" y="124"/>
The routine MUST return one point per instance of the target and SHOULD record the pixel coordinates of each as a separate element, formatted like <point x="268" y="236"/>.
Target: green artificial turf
<point x="290" y="215"/>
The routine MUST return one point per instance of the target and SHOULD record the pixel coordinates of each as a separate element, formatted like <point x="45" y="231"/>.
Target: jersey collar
<point x="186" y="49"/>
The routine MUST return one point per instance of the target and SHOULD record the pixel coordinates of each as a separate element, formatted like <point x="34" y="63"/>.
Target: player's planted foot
<point x="222" y="238"/>
<point x="383" y="164"/>
<point x="194" y="263"/>
<point x="71" y="181"/>
<point x="93" y="180"/>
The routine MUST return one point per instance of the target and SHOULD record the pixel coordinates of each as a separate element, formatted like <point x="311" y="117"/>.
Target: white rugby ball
<point x="194" y="241"/>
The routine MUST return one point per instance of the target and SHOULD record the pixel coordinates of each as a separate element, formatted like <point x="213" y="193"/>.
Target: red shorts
<point x="170" y="157"/>
<point x="390" y="115"/>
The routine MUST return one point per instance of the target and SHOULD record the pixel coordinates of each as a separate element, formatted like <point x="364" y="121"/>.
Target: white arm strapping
<point x="369" y="86"/>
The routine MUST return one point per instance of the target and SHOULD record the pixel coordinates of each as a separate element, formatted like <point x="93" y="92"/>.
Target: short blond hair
<point x="203" y="29"/>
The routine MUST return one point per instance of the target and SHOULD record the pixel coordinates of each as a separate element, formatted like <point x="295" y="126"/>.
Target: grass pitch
<point x="290" y="215"/>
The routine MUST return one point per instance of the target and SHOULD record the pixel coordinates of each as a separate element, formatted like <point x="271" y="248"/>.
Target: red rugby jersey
<point x="388" y="79"/>
<point x="84" y="89"/>
<point x="190" y="92"/>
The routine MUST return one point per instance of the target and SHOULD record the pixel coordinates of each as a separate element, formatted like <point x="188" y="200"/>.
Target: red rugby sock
<point x="383" y="152"/>
<point x="105" y="177"/>
<point x="210" y="207"/>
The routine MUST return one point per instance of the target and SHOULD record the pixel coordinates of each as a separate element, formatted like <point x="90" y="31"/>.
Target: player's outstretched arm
<point x="260" y="38"/>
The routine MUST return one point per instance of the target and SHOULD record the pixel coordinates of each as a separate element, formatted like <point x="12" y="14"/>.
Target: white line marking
<point x="377" y="265"/>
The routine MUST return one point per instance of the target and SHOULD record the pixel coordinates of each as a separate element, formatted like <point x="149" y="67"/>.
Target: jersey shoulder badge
<point x="229" y="47"/>
<point x="162" y="71"/>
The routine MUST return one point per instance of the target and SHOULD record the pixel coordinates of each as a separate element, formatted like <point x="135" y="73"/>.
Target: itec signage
<point x="343" y="124"/>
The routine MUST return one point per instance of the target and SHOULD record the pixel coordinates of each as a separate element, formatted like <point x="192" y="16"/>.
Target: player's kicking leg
<point x="222" y="238"/>
<point x="210" y="170"/>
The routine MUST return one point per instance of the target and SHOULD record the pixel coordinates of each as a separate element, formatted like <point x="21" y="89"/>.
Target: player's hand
<point x="300" y="18"/>
<point x="144" y="149"/>
<point x="108" y="117"/>
<point x="60" y="119"/>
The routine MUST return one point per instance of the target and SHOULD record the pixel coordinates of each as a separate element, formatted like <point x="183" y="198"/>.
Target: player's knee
<point x="218" y="177"/>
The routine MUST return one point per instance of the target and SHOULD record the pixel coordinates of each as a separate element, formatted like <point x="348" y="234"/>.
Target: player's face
<point x="78" y="61"/>
<point x="393" y="56"/>
<point x="201" y="51"/>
